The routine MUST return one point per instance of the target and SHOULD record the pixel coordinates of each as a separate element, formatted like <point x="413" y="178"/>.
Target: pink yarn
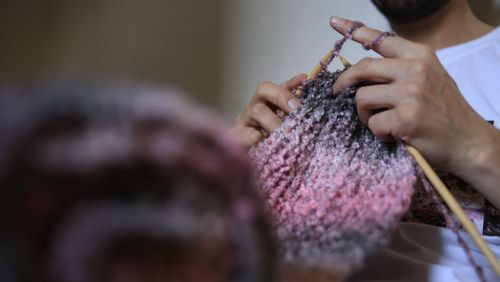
<point x="426" y="189"/>
<point x="378" y="40"/>
<point x="334" y="190"/>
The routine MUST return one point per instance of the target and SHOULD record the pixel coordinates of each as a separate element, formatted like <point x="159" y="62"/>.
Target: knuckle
<point x="282" y="96"/>
<point x="258" y="109"/>
<point x="373" y="124"/>
<point x="365" y="63"/>
<point x="261" y="87"/>
<point x="361" y="98"/>
<point x="421" y="68"/>
<point x="408" y="117"/>
<point x="414" y="90"/>
<point x="254" y="137"/>
<point x="270" y="92"/>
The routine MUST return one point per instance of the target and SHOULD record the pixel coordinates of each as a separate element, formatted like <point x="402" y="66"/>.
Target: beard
<point x="407" y="11"/>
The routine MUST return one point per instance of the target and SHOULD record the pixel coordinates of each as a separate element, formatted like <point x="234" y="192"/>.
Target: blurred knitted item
<point x="125" y="183"/>
<point x="334" y="190"/>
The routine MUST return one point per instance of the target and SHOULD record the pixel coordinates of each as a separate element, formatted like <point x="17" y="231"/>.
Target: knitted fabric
<point x="126" y="171"/>
<point x="331" y="186"/>
<point x="335" y="191"/>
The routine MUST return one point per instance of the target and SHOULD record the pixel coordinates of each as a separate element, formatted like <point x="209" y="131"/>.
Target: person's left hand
<point x="422" y="104"/>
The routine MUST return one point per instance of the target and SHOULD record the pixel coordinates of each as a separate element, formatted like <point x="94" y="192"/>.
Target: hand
<point x="422" y="106"/>
<point x="259" y="117"/>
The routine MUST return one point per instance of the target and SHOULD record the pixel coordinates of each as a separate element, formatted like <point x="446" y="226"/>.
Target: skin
<point x="439" y="30"/>
<point x="424" y="105"/>
<point x="259" y="117"/>
<point x="425" y="109"/>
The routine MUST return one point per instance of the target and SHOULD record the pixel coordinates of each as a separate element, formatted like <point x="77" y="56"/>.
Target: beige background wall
<point x="160" y="41"/>
<point x="276" y="39"/>
<point x="217" y="50"/>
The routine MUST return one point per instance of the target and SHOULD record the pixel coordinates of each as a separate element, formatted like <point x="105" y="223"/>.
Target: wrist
<point x="481" y="166"/>
<point x="487" y="154"/>
<point x="479" y="155"/>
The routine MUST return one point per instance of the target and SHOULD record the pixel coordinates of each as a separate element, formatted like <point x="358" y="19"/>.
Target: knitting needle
<point x="439" y="186"/>
<point x="344" y="61"/>
<point x="316" y="70"/>
<point x="319" y="66"/>
<point x="455" y="207"/>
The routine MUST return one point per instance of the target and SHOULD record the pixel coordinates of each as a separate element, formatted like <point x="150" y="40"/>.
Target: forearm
<point x="481" y="165"/>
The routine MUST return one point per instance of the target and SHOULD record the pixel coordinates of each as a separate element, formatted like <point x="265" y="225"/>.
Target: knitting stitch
<point x="329" y="183"/>
<point x="334" y="190"/>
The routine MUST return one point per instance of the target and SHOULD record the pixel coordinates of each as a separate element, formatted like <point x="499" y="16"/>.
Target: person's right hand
<point x="259" y="117"/>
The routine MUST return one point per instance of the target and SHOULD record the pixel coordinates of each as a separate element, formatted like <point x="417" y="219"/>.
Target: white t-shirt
<point x="420" y="252"/>
<point x="475" y="67"/>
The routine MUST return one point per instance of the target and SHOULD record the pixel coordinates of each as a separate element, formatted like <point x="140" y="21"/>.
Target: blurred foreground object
<point x="114" y="182"/>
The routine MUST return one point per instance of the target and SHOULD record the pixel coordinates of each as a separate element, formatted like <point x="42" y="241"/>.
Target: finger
<point x="374" y="98"/>
<point x="372" y="70"/>
<point x="385" y="125"/>
<point x="265" y="117"/>
<point x="268" y="92"/>
<point x="246" y="136"/>
<point x="390" y="47"/>
<point x="295" y="82"/>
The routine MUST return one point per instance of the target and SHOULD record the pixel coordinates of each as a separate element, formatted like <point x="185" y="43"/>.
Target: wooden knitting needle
<point x="455" y="207"/>
<point x="316" y="70"/>
<point x="344" y="61"/>
<point x="438" y="184"/>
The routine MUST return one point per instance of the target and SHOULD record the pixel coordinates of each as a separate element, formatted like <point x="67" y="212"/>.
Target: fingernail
<point x="336" y="21"/>
<point x="293" y="104"/>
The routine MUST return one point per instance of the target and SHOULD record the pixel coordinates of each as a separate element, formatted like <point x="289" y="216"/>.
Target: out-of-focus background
<point x="216" y="50"/>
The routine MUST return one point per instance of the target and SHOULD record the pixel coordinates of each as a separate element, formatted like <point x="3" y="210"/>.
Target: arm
<point x="424" y="109"/>
<point x="483" y="164"/>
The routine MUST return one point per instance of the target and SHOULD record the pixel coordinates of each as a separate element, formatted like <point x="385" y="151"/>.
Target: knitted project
<point x="334" y="190"/>
<point x="331" y="186"/>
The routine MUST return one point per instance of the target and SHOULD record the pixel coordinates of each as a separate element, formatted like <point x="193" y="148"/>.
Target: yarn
<point x="331" y="186"/>
<point x="378" y="40"/>
<point x="426" y="189"/>
<point x="96" y="175"/>
<point x="334" y="190"/>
